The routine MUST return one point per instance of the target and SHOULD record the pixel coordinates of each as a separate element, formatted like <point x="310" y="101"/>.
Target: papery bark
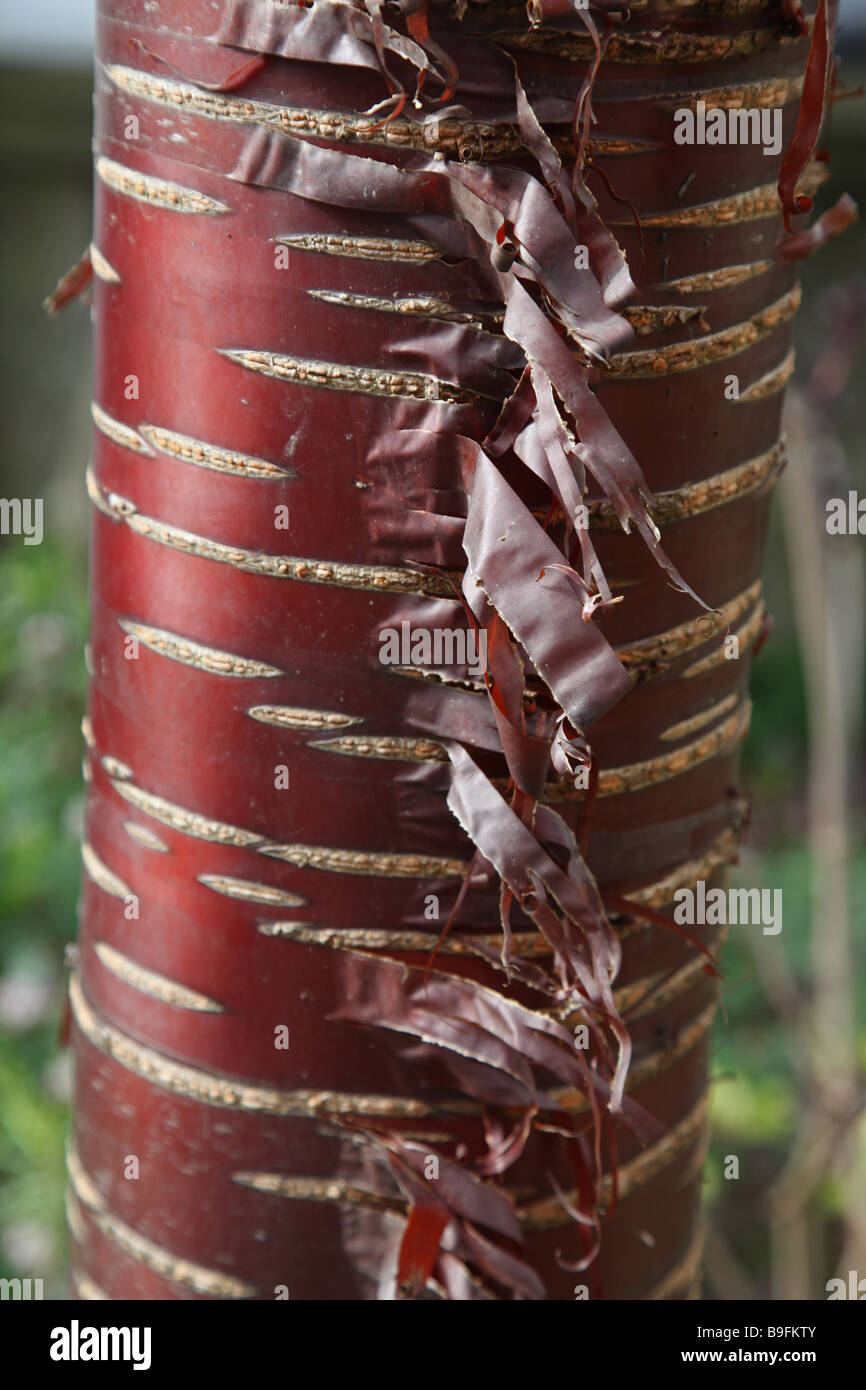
<point x="431" y="1126"/>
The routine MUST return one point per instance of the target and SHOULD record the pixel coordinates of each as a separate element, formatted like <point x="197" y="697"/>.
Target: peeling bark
<point x="424" y="313"/>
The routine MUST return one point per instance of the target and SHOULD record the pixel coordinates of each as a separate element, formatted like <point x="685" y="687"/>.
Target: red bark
<point x="224" y="647"/>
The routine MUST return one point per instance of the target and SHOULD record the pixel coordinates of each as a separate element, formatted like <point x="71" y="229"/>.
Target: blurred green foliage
<point x="43" y="616"/>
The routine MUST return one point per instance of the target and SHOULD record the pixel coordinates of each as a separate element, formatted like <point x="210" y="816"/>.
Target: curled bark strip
<point x="796" y="246"/>
<point x="507" y="1046"/>
<point x="507" y="552"/>
<point x="344" y="34"/>
<point x="482" y="199"/>
<point x="585" y="948"/>
<point x="71" y="285"/>
<point x="811" y="116"/>
<point x="550" y="1212"/>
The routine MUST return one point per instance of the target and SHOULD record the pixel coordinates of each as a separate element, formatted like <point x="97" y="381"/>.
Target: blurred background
<point x="790" y="1055"/>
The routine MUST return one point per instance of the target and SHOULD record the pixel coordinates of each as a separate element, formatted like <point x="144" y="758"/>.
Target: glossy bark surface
<point x="230" y="641"/>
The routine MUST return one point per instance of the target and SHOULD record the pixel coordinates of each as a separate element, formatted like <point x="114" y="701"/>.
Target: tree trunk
<point x="343" y="360"/>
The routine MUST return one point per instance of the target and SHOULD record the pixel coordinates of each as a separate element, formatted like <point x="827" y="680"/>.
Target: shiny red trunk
<point x="253" y="822"/>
